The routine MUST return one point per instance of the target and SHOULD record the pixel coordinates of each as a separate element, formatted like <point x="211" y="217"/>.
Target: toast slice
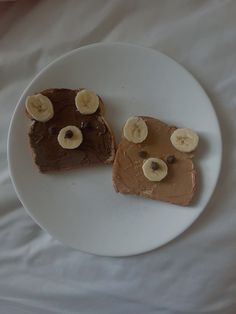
<point x="97" y="147"/>
<point x="179" y="185"/>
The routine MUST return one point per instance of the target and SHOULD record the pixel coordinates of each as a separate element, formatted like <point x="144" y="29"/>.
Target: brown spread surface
<point x="177" y="187"/>
<point x="98" y="142"/>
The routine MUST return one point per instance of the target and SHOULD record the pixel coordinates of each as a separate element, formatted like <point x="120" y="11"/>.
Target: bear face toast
<point x="69" y="130"/>
<point x="155" y="160"/>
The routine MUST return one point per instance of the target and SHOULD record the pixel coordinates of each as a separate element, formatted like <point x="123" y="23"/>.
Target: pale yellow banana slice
<point x="86" y="101"/>
<point x="135" y="130"/>
<point x="70" y="137"/>
<point x="155" y="169"/>
<point x="39" y="107"/>
<point x="185" y="140"/>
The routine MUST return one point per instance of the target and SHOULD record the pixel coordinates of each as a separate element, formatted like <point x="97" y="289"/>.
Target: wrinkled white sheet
<point x="195" y="273"/>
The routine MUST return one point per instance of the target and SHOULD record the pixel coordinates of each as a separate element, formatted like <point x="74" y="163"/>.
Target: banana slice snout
<point x="70" y="137"/>
<point x="185" y="140"/>
<point x="155" y="169"/>
<point x="135" y="130"/>
<point x="86" y="101"/>
<point x="39" y="107"/>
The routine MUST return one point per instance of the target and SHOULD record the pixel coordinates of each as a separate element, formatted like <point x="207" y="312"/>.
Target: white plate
<point x="80" y="208"/>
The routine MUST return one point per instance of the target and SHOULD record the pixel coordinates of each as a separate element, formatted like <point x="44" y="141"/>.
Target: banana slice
<point x="86" y="101"/>
<point x="39" y="107"/>
<point x="135" y="130"/>
<point x="70" y="137"/>
<point x="155" y="169"/>
<point x="185" y="140"/>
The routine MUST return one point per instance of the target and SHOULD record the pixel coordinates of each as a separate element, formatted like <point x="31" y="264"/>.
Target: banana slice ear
<point x="39" y="107"/>
<point x="185" y="140"/>
<point x="135" y="130"/>
<point x="86" y="101"/>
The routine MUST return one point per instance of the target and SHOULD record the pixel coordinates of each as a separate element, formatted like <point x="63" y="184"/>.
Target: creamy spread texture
<point x="177" y="187"/>
<point x="98" y="143"/>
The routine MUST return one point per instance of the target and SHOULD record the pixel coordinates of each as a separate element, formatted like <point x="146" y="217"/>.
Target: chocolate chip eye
<point x="52" y="130"/>
<point x="154" y="165"/>
<point x="68" y="134"/>
<point x="85" y="125"/>
<point x="170" y="159"/>
<point x="143" y="154"/>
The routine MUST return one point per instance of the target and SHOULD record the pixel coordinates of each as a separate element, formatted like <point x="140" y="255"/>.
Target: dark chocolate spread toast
<point x="69" y="130"/>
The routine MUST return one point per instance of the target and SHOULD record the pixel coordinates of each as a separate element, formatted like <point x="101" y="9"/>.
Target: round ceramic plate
<point x="80" y="208"/>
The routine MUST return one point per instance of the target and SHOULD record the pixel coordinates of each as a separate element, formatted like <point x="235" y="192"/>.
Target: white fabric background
<point x="195" y="273"/>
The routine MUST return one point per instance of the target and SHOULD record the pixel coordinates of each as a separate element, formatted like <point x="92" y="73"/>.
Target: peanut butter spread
<point x="177" y="187"/>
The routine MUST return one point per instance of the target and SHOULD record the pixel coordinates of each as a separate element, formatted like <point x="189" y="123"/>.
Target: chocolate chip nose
<point x="68" y="134"/>
<point x="154" y="165"/>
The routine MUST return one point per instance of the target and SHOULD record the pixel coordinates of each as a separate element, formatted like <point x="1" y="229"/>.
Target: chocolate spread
<point x="98" y="142"/>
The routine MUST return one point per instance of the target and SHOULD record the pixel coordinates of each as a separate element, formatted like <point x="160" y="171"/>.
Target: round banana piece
<point x="155" y="169"/>
<point x="70" y="137"/>
<point x="185" y="140"/>
<point x="86" y="101"/>
<point x="135" y="130"/>
<point x="39" y="107"/>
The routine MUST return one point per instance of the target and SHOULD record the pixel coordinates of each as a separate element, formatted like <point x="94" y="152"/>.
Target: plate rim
<point x="108" y="44"/>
